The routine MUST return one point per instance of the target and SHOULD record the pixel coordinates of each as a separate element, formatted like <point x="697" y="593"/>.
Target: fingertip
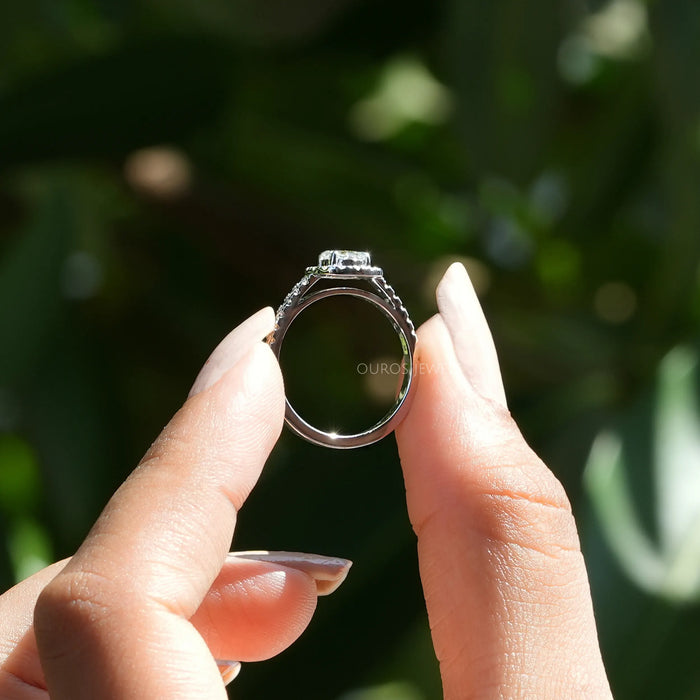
<point x="455" y="442"/>
<point x="233" y="348"/>
<point x="194" y="477"/>
<point x="441" y="387"/>
<point x="449" y="411"/>
<point x="328" y="572"/>
<point x="255" y="610"/>
<point x="253" y="390"/>
<point x="469" y="332"/>
<point x="434" y="423"/>
<point x="456" y="273"/>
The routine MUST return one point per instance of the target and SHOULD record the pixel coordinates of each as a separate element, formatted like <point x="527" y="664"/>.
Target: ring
<point x="339" y="268"/>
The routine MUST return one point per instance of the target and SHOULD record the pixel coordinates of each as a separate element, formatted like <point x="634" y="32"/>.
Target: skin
<point x="150" y="598"/>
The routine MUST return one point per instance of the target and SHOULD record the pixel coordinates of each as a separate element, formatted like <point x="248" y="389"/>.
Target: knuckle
<point x="14" y="687"/>
<point x="521" y="500"/>
<point x="70" y="610"/>
<point x="534" y="517"/>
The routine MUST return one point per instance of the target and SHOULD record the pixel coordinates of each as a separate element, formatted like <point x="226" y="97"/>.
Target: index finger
<point x="163" y="537"/>
<point x="173" y="518"/>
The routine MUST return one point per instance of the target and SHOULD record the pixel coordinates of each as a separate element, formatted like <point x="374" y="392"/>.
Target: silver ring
<point x="339" y="268"/>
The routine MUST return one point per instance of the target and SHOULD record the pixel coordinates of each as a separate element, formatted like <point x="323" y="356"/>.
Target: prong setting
<point x="341" y="267"/>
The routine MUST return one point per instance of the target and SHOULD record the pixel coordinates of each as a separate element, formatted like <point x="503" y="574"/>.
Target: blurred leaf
<point x="672" y="571"/>
<point x="677" y="461"/>
<point x="607" y="488"/>
<point x="390" y="691"/>
<point x="29" y="546"/>
<point x="55" y="363"/>
<point x="406" y="93"/>
<point x="30" y="289"/>
<point x="20" y="487"/>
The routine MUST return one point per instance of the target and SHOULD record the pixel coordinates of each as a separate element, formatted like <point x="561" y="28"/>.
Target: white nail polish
<point x="471" y="337"/>
<point x="233" y="348"/>
<point x="327" y="572"/>
<point x="228" y="669"/>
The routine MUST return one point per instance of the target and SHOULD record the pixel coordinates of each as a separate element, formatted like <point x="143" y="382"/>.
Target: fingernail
<point x="456" y="299"/>
<point x="471" y="337"/>
<point x="327" y="572"/>
<point x="233" y="348"/>
<point x="228" y="669"/>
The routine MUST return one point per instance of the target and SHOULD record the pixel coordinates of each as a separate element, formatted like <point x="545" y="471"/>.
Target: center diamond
<point x="344" y="258"/>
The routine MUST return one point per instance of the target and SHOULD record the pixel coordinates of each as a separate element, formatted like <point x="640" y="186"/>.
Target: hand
<point x="151" y="598"/>
<point x="132" y="614"/>
<point x="504" y="580"/>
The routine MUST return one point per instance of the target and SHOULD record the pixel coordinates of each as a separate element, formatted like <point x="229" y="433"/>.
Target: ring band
<point x="339" y="268"/>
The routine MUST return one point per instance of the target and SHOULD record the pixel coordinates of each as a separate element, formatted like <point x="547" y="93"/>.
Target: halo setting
<point x="345" y="266"/>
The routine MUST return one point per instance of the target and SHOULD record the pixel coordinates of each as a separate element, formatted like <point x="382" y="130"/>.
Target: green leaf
<point x="29" y="547"/>
<point x="19" y="476"/>
<point x="671" y="569"/>
<point x="30" y="286"/>
<point x="607" y="488"/>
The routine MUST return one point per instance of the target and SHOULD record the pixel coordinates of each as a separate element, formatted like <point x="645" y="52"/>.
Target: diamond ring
<point x="338" y="269"/>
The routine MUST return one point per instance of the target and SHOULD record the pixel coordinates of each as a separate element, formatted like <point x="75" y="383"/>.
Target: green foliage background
<point x="553" y="145"/>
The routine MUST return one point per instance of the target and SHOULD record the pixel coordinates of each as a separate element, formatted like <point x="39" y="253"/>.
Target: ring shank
<point x="386" y="424"/>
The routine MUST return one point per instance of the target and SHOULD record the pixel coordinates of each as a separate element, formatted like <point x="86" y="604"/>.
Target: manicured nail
<point x="228" y="669"/>
<point x="233" y="348"/>
<point x="471" y="337"/>
<point x="328" y="572"/>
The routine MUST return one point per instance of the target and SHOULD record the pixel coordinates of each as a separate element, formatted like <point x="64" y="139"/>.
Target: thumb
<point x="502" y="571"/>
